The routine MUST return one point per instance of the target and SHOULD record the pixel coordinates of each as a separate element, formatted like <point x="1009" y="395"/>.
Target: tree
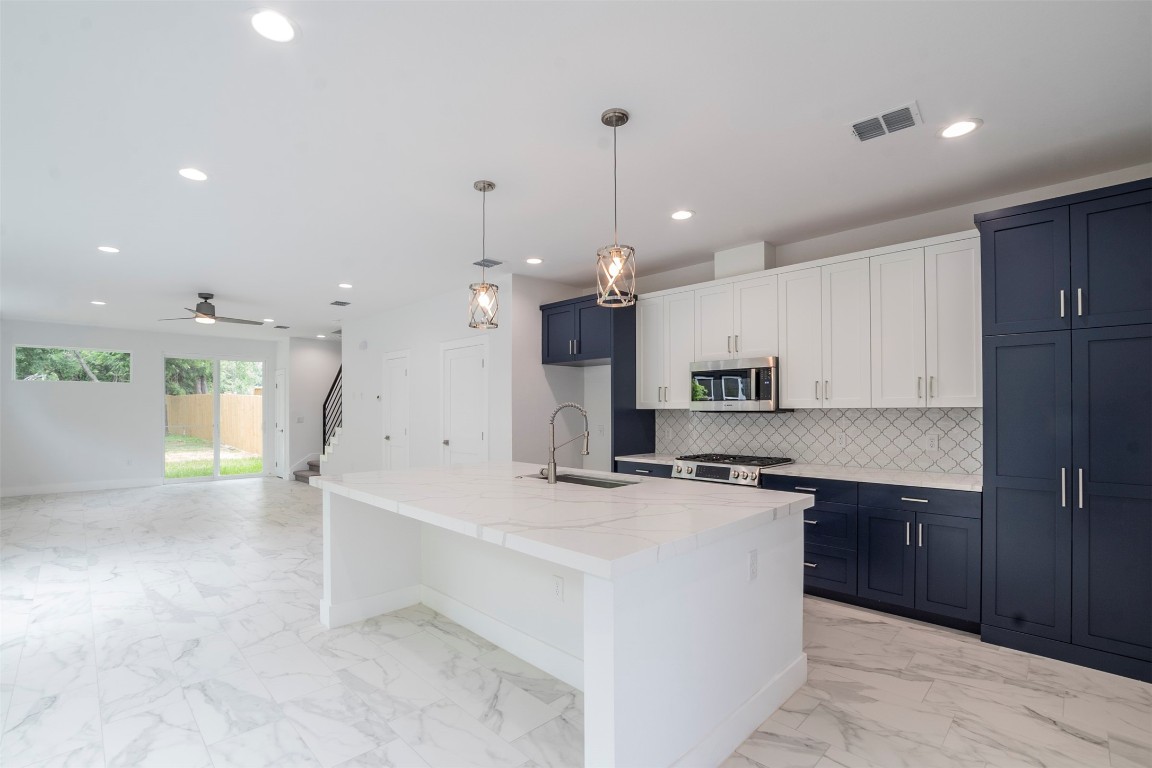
<point x="61" y="364"/>
<point x="183" y="376"/>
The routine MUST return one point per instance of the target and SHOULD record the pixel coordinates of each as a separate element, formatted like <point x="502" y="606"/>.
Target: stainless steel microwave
<point x="748" y="384"/>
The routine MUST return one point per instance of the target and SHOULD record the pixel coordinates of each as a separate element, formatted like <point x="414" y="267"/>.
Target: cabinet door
<point x="886" y="556"/>
<point x="1025" y="262"/>
<point x="680" y="338"/>
<point x="952" y="324"/>
<point x="714" y="329"/>
<point x="1027" y="552"/>
<point x="1112" y="261"/>
<point x="800" y="357"/>
<point x="757" y="328"/>
<point x="593" y="330"/>
<point x="897" y="284"/>
<point x="845" y="323"/>
<point x="559" y="334"/>
<point x="948" y="565"/>
<point x="650" y="347"/>
<point x="1112" y="499"/>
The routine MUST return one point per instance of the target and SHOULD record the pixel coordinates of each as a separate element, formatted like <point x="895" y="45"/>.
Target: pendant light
<point x="485" y="301"/>
<point x="615" y="264"/>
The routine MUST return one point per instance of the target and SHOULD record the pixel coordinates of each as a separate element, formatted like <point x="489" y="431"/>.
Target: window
<point x="67" y="364"/>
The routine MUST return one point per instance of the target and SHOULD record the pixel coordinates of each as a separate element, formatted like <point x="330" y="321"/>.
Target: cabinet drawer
<point x="644" y="468"/>
<point x="913" y="499"/>
<point x="830" y="568"/>
<point x="831" y="525"/>
<point x="833" y="491"/>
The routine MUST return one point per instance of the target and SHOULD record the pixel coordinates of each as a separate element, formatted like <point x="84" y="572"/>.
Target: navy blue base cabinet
<point x="1068" y="428"/>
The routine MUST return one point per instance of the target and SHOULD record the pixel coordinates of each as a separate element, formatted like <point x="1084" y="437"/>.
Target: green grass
<point x="186" y="443"/>
<point x="203" y="467"/>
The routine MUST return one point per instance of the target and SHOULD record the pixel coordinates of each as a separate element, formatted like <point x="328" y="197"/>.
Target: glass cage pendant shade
<point x="616" y="276"/>
<point x="484" y="305"/>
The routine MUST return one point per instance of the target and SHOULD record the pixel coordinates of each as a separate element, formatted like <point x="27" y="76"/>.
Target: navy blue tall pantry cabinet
<point x="1067" y="524"/>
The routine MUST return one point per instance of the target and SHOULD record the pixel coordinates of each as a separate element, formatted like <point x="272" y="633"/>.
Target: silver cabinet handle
<point x="642" y="471"/>
<point x="919" y="386"/>
<point x="913" y="498"/>
<point x="907" y="534"/>
<point x="729" y="343"/>
<point x="1061" y="302"/>
<point x="931" y="386"/>
<point x="817" y="389"/>
<point x="811" y="522"/>
<point x="444" y="441"/>
<point x="802" y="488"/>
<point x="1079" y="302"/>
<point x="576" y="345"/>
<point x="809" y="565"/>
<point x="1063" y="488"/>
<point x="825" y="389"/>
<point x="1080" y="487"/>
<point x="919" y="534"/>
<point x="737" y="337"/>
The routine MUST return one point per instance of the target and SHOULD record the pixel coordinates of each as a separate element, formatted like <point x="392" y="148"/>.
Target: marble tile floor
<point x="177" y="626"/>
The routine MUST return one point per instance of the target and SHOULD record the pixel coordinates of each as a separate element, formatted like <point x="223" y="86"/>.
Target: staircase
<point x="303" y="474"/>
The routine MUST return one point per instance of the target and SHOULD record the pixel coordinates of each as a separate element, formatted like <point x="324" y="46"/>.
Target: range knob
<point x="743" y="475"/>
<point x="679" y="469"/>
<point x="689" y="470"/>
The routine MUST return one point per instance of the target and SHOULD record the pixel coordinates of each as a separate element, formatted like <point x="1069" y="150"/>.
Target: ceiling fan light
<point x="206" y="320"/>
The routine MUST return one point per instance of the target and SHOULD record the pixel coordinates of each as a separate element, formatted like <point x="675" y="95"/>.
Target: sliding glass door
<point x="213" y="418"/>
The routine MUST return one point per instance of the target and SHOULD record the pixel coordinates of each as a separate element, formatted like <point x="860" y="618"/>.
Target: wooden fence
<point x="241" y="419"/>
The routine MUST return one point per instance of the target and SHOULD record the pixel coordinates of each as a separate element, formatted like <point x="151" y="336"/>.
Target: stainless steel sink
<point x="596" y="482"/>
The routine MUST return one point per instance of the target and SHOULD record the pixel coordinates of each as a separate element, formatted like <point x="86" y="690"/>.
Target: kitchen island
<point x="675" y="606"/>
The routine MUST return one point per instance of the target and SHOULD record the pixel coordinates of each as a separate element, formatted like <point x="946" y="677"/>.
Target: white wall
<point x="72" y="436"/>
<point x="598" y="403"/>
<point x="312" y="365"/>
<point x="942" y="222"/>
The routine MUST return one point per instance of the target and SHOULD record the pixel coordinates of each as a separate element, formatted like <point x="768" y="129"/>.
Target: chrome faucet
<point x="552" y="444"/>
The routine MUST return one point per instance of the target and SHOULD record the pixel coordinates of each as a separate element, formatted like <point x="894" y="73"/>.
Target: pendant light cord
<point x="483" y="235"/>
<point x="615" y="206"/>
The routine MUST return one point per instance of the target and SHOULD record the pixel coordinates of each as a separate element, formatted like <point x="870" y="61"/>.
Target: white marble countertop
<point x="601" y="531"/>
<point x="944" y="480"/>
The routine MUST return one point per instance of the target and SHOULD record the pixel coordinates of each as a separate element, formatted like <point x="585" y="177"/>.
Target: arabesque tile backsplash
<point x="889" y="438"/>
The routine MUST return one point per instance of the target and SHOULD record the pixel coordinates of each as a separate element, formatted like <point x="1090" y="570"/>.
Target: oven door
<point x="734" y="385"/>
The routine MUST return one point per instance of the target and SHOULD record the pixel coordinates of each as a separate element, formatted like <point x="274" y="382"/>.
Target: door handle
<point x="919" y="385"/>
<point x="825" y="389"/>
<point x="931" y="386"/>
<point x="919" y="534"/>
<point x="1063" y="488"/>
<point x="907" y="534"/>
<point x="1080" y="487"/>
<point x="1079" y="302"/>
<point x="817" y="389"/>
<point x="729" y="344"/>
<point x="445" y="442"/>
<point x="737" y="337"/>
<point x="1061" y="302"/>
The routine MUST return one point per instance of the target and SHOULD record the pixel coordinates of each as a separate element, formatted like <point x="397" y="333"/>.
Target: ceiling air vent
<point x="889" y="122"/>
<point x="281" y="327"/>
<point x="341" y="303"/>
<point x="487" y="263"/>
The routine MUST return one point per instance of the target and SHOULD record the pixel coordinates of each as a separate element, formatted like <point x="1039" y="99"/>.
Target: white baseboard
<point x="92" y="485"/>
<point x="333" y="616"/>
<point x="560" y="664"/>
<point x="715" y="748"/>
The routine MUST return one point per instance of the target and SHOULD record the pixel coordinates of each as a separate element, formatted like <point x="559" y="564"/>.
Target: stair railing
<point x="334" y="407"/>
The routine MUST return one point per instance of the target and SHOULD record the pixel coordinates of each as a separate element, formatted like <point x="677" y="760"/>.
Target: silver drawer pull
<point x="802" y="488"/>
<point x="811" y="522"/>
<point x="909" y="498"/>
<point x="642" y="471"/>
<point x="809" y="565"/>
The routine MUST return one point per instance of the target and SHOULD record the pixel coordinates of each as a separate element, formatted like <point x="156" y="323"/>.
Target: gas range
<point x="724" y="467"/>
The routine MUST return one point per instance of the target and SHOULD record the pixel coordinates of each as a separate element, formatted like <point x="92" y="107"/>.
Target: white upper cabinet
<point x="800" y="339"/>
<point x="756" y="331"/>
<point x="898" y="377"/>
<point x="665" y="340"/>
<point x="845" y="318"/>
<point x="952" y="312"/>
<point x="714" y="323"/>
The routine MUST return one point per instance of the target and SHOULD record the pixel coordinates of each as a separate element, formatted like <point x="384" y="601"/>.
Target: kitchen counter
<point x="854" y="474"/>
<point x="616" y="591"/>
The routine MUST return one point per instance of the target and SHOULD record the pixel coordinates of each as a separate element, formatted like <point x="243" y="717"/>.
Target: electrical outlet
<point x="753" y="564"/>
<point x="931" y="442"/>
<point x="841" y="440"/>
<point x="558" y="588"/>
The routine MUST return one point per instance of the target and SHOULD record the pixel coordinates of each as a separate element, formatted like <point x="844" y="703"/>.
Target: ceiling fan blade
<point x="191" y="310"/>
<point x="175" y="318"/>
<point x="237" y="320"/>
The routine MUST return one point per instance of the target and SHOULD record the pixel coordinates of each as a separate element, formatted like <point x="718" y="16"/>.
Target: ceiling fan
<point x="205" y="312"/>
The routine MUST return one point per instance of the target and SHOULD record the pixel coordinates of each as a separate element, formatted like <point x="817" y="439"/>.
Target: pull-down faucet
<point x="552" y="443"/>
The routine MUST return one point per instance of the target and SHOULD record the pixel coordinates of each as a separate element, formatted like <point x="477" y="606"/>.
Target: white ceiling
<point x="349" y="154"/>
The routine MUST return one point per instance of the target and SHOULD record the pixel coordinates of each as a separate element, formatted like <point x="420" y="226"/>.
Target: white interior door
<point x="281" y="423"/>
<point x="846" y="326"/>
<point x="465" y="402"/>
<point x="800" y="340"/>
<point x="898" y="379"/>
<point x="952" y="275"/>
<point x="396" y="399"/>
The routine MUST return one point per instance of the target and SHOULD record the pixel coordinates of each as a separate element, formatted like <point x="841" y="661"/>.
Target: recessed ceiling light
<point x="345" y="285"/>
<point x="681" y="215"/>
<point x="534" y="261"/>
<point x="99" y="303"/>
<point x="193" y="174"/>
<point x="320" y="336"/>
<point x="274" y="26"/>
<point x="269" y="320"/>
<point x="107" y="249"/>
<point x="961" y="127"/>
